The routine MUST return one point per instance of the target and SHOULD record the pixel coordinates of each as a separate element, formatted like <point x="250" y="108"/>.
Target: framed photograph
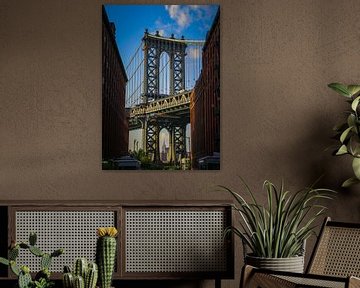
<point x="160" y="87"/>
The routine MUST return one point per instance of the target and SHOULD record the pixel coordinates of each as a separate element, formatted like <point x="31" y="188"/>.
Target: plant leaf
<point x="356" y="167"/>
<point x="345" y="134"/>
<point x="355" y="103"/>
<point x="342" y="150"/>
<point x="4" y="261"/>
<point x="349" y="182"/>
<point x="353" y="89"/>
<point x="340" y="88"/>
<point x="351" y="120"/>
<point x="354" y="145"/>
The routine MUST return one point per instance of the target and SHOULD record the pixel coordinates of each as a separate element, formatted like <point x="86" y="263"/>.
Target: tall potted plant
<point x="276" y="233"/>
<point x="348" y="132"/>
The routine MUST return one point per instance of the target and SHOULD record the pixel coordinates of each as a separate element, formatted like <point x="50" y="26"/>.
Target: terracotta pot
<point x="291" y="264"/>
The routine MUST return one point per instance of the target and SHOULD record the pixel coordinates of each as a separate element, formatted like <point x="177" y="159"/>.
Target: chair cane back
<point x="335" y="262"/>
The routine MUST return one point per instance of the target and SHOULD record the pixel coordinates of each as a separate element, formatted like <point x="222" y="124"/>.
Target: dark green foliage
<point x="348" y="132"/>
<point x="57" y="252"/>
<point x="32" y="239"/>
<point x="24" y="245"/>
<point x="13" y="253"/>
<point x="67" y="269"/>
<point x="44" y="273"/>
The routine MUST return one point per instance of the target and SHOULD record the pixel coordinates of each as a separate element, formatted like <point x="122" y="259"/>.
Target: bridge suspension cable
<point x="193" y="64"/>
<point x="135" y="72"/>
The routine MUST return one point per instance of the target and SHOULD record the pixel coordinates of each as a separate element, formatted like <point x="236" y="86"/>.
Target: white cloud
<point x="165" y="30"/>
<point x="180" y="14"/>
<point x="161" y="32"/>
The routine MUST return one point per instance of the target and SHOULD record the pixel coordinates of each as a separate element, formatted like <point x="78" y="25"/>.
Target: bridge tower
<point x="153" y="47"/>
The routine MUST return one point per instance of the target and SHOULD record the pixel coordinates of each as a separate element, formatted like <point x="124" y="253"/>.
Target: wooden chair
<point x="335" y="262"/>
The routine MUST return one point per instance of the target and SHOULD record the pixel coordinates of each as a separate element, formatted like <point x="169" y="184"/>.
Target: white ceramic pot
<point x="291" y="264"/>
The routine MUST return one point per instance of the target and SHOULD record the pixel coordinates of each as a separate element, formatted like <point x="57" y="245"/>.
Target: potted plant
<point x="348" y="132"/>
<point x="276" y="233"/>
<point x="42" y="278"/>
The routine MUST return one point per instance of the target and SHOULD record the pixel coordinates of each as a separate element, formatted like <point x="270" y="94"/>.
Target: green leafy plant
<point x="143" y="157"/>
<point x="42" y="278"/>
<point x="348" y="132"/>
<point x="43" y="283"/>
<point x="279" y="229"/>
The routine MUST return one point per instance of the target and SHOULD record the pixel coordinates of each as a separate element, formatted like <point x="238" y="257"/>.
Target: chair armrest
<point x="354" y="282"/>
<point x="254" y="277"/>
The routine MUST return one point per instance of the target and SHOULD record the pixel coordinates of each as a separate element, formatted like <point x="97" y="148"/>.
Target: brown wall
<point x="277" y="113"/>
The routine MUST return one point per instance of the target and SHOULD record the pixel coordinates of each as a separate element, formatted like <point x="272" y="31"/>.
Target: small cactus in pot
<point x="85" y="275"/>
<point x="106" y="254"/>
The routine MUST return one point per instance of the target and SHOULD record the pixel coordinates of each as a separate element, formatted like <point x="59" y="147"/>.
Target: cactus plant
<point x="105" y="254"/>
<point x="81" y="265"/>
<point x="79" y="282"/>
<point x="68" y="280"/>
<point x="84" y="274"/>
<point x="32" y="238"/>
<point x="91" y="276"/>
<point x="42" y="278"/>
<point x="45" y="261"/>
<point x="24" y="277"/>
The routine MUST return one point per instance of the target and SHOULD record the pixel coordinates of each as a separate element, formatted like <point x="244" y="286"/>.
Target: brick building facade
<point x="205" y="105"/>
<point x="115" y="132"/>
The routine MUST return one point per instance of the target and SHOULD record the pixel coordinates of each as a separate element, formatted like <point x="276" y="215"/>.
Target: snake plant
<point x="279" y="228"/>
<point x="348" y="132"/>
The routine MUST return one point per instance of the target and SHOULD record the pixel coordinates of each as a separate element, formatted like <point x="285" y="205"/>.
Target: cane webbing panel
<point x="313" y="282"/>
<point x="74" y="231"/>
<point x="175" y="241"/>
<point x="338" y="252"/>
<point x="260" y="280"/>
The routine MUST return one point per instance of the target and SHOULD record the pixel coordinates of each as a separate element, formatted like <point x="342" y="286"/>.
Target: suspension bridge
<point x="162" y="74"/>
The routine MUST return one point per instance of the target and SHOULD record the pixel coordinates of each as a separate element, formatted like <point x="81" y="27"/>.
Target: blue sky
<point x="191" y="21"/>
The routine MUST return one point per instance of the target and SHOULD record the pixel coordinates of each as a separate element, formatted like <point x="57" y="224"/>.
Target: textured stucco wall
<point x="277" y="113"/>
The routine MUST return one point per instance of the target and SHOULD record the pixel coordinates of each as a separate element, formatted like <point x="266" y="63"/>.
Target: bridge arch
<point x="164" y="74"/>
<point x="164" y="149"/>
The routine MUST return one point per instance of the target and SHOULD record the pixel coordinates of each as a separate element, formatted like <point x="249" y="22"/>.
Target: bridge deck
<point x="168" y="104"/>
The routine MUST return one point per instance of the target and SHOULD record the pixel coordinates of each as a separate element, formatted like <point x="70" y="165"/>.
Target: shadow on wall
<point x="309" y="154"/>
